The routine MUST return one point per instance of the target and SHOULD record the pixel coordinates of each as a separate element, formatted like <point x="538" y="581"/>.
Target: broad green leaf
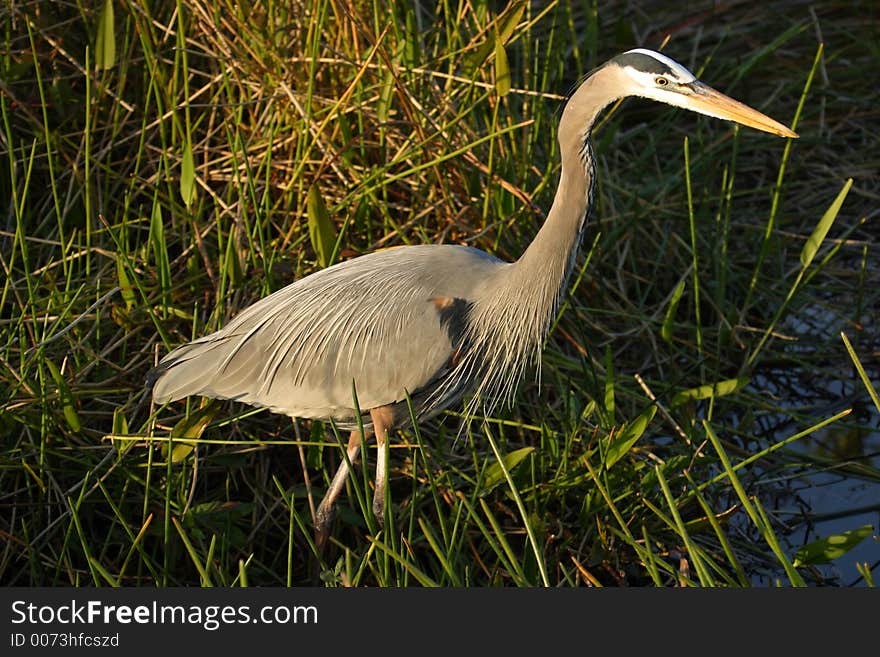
<point x="187" y="431"/>
<point x="105" y="44"/>
<point x="383" y="105"/>
<point x="718" y="389"/>
<point x="321" y="231"/>
<point x="67" y="399"/>
<point x="502" y="68"/>
<point x="412" y="57"/>
<point x="507" y="22"/>
<point x="609" y="385"/>
<point x="120" y="428"/>
<point x="510" y="19"/>
<point x="589" y="409"/>
<point x="628" y="436"/>
<point x="159" y="246"/>
<point x="219" y="517"/>
<point x="824" y="225"/>
<point x="232" y="265"/>
<point x="829" y="548"/>
<point x="125" y="286"/>
<point x="669" y="320"/>
<point x="188" y="175"/>
<point x="224" y="507"/>
<point x="120" y="422"/>
<point x="347" y="138"/>
<point x="494" y="472"/>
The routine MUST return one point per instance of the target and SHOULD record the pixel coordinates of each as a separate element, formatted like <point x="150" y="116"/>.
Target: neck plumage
<point x="544" y="268"/>
<point x="506" y="327"/>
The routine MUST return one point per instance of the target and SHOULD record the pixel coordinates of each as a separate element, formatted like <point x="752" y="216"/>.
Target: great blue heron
<point x="431" y="322"/>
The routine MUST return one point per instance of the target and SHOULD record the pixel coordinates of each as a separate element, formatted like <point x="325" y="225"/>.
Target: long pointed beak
<point x="706" y="100"/>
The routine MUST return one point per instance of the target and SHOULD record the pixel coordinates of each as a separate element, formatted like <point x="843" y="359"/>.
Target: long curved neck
<point x="509" y="320"/>
<point x="548" y="259"/>
<point x="546" y="264"/>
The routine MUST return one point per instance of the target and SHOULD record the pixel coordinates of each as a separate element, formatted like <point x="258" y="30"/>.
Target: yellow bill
<point x="706" y="100"/>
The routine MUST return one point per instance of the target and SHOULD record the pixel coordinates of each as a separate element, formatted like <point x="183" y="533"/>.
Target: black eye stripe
<point x="644" y="63"/>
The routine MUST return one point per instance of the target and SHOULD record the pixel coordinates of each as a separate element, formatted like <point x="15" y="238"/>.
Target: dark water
<point x="841" y="502"/>
<point x="845" y="493"/>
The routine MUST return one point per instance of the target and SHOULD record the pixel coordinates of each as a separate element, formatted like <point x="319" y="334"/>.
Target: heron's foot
<point x="323" y="522"/>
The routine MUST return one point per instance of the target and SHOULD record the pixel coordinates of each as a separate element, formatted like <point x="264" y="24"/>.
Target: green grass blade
<point x="420" y="576"/>
<point x="818" y="236"/>
<point x="502" y="68"/>
<point x="697" y="560"/>
<point x="96" y="565"/>
<point x="628" y="436"/>
<point x="494" y="473"/>
<point x="190" y="550"/>
<point x="68" y="403"/>
<point x="863" y="375"/>
<point x="695" y="268"/>
<point x="669" y="319"/>
<point x="187" y="174"/>
<point x="321" y="232"/>
<point x="729" y="552"/>
<point x="105" y="44"/>
<point x="710" y="390"/>
<point x="807" y="255"/>
<point x="536" y="549"/>
<point x="753" y="509"/>
<point x="777" y="191"/>
<point x="829" y="548"/>
<point x="439" y="553"/>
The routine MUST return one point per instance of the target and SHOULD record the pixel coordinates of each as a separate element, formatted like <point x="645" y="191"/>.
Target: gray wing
<point x="387" y="322"/>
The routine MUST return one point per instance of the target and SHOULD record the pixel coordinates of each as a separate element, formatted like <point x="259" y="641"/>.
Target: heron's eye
<point x="661" y="82"/>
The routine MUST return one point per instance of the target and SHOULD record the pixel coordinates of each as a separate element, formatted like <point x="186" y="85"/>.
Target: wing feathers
<point x="372" y="321"/>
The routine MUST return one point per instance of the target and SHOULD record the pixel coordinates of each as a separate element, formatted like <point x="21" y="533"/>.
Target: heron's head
<point x="649" y="74"/>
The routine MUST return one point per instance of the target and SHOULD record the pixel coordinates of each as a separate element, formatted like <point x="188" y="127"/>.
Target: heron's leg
<point x="327" y="508"/>
<point x="382" y="418"/>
